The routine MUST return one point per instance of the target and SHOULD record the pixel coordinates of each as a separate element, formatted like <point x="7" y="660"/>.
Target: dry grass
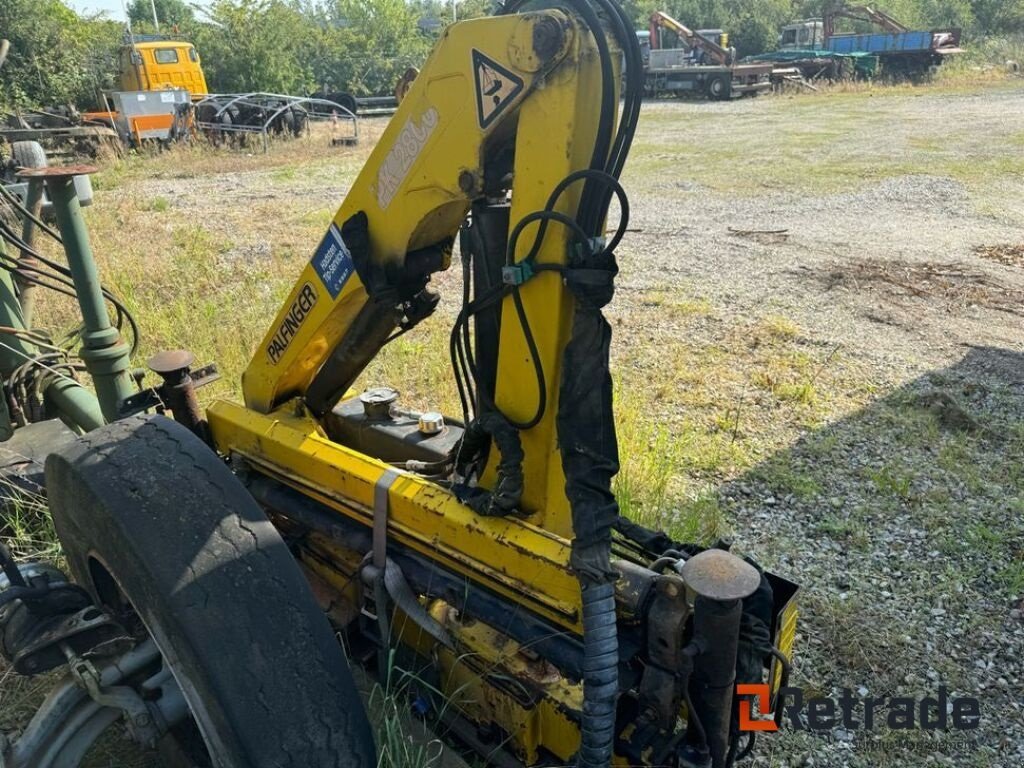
<point x="1005" y="253"/>
<point x="954" y="286"/>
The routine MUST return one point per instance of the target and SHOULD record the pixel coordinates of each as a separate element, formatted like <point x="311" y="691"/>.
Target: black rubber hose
<point x="600" y="676"/>
<point x="11" y="594"/>
<point x="10" y="568"/>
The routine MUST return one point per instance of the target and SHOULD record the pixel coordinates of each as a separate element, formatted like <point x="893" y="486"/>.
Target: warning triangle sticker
<point x="496" y="88"/>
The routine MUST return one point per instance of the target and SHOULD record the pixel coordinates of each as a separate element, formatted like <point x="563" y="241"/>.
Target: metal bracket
<point x="139" y="720"/>
<point x="88" y="701"/>
<point x="87" y="631"/>
<point x="517" y="274"/>
<point x="156" y="398"/>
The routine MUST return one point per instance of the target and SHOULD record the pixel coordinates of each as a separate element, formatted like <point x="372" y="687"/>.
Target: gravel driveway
<point x="887" y="238"/>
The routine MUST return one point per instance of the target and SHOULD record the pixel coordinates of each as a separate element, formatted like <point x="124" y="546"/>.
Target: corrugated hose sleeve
<point x="600" y="676"/>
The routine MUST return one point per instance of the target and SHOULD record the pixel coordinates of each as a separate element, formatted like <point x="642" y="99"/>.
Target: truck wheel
<point x="23" y="154"/>
<point x="164" y="536"/>
<point x="719" y="88"/>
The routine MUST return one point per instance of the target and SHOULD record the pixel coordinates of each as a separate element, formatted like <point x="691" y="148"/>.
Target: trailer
<point x="673" y="73"/>
<point x="808" y="66"/>
<point x="899" y="51"/>
<point x="234" y="117"/>
<point x="911" y="54"/>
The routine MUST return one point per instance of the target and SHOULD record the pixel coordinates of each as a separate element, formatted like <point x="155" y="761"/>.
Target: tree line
<point x="361" y="46"/>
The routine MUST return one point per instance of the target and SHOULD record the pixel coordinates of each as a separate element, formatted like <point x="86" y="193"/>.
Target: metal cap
<point x="170" y="361"/>
<point x="431" y="423"/>
<point x="719" y="575"/>
<point x="56" y="171"/>
<point x="377" y="402"/>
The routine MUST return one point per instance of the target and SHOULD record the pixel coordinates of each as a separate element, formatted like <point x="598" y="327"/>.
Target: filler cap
<point x="377" y="402"/>
<point x="431" y="423"/>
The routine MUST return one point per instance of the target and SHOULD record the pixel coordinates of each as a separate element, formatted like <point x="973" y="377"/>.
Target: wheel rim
<point x="193" y="704"/>
<point x="72" y="720"/>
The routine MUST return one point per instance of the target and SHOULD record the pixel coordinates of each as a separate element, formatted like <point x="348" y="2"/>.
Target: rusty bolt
<point x="467" y="182"/>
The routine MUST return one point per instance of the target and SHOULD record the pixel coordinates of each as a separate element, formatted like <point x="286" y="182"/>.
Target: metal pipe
<point x="716" y="628"/>
<point x="27" y="264"/>
<point x="15" y="349"/>
<point x="77" y="406"/>
<point x="104" y="353"/>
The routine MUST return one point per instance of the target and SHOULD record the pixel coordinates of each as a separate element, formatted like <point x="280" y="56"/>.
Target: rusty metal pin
<point x="720" y="575"/>
<point x="170" y="361"/>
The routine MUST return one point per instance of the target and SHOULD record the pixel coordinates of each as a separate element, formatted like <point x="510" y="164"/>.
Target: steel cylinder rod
<point x="26" y="262"/>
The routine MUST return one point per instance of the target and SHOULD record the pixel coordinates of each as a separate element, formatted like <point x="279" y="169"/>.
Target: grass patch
<point x="890" y="481"/>
<point x="26" y="525"/>
<point x="830" y="157"/>
<point x="660" y="483"/>
<point x="785" y="479"/>
<point x="780" y="327"/>
<point x="845" y="529"/>
<point x="1012" y="577"/>
<point x="676" y="306"/>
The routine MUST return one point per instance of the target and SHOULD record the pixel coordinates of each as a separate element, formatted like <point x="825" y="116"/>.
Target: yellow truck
<point x="157" y="77"/>
<point x="153" y="63"/>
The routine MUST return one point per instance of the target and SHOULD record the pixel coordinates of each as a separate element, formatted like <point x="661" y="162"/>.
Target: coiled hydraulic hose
<point x="600" y="676"/>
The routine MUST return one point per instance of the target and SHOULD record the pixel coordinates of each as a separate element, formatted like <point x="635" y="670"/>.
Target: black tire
<point x="719" y="87"/>
<point x="28" y="154"/>
<point x="346" y="100"/>
<point x="146" y="512"/>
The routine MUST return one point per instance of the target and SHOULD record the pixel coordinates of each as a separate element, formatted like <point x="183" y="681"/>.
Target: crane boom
<point x="660" y="20"/>
<point x="860" y="13"/>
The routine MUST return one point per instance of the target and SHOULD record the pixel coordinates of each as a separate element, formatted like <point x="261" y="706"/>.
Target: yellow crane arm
<point x="661" y="20"/>
<point x="447" y="144"/>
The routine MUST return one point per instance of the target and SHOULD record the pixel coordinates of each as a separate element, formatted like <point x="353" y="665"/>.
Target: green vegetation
<point x="363" y="46"/>
<point x="55" y="54"/>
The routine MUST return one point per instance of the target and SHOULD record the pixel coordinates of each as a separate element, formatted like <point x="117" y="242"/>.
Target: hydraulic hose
<point x="600" y="676"/>
<point x="586" y="427"/>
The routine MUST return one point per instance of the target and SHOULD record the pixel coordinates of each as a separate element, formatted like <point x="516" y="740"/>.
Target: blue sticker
<point x="333" y="261"/>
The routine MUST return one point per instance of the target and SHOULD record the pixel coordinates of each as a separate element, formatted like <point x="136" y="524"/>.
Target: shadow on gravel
<point x="905" y="525"/>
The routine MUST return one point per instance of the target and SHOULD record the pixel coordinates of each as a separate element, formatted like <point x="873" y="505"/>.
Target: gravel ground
<point x="832" y="278"/>
<point x="900" y="514"/>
